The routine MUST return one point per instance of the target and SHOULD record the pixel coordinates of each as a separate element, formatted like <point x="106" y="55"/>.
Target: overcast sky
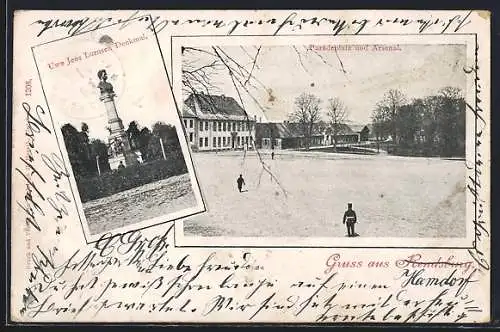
<point x="417" y="70"/>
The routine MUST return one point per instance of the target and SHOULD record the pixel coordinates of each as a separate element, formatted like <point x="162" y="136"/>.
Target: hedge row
<point x="424" y="151"/>
<point x="110" y="183"/>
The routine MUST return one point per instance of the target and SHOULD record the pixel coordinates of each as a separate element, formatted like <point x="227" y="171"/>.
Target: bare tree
<point x="202" y="65"/>
<point x="200" y="76"/>
<point x="381" y="120"/>
<point x="337" y="116"/>
<point x="306" y="114"/>
<point x="390" y="105"/>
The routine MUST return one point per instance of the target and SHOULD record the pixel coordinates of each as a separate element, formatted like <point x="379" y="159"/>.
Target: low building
<point x="347" y="134"/>
<point x="214" y="122"/>
<point x="288" y="135"/>
<point x="285" y="135"/>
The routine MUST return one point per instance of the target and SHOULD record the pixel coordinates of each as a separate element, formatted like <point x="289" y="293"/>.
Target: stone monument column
<point x="120" y="152"/>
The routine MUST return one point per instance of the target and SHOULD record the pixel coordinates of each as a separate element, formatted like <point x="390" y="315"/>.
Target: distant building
<point x="215" y="122"/>
<point x="285" y="135"/>
<point x="351" y="134"/>
<point x="288" y="135"/>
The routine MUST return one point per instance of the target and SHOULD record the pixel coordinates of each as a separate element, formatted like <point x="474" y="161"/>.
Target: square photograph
<point x="327" y="138"/>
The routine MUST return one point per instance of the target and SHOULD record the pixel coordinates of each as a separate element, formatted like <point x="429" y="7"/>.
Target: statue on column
<point x="119" y="150"/>
<point x="103" y="85"/>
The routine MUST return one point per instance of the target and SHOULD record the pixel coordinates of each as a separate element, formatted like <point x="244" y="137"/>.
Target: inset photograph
<point x="120" y="129"/>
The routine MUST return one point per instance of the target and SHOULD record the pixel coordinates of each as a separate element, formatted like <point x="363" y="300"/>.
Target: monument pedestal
<point x="114" y="162"/>
<point x="119" y="148"/>
<point x="127" y="159"/>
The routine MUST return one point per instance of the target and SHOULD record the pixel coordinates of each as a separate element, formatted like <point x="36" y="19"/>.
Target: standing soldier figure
<point x="350" y="219"/>
<point x="240" y="182"/>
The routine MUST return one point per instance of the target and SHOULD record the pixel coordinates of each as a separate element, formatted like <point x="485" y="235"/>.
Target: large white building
<point x="215" y="122"/>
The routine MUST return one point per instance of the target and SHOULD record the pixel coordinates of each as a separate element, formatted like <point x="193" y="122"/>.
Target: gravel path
<point x="141" y="203"/>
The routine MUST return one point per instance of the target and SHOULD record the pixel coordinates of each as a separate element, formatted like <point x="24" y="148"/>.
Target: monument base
<point x="126" y="159"/>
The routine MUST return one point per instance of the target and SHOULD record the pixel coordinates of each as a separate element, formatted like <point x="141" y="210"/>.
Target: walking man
<point x="349" y="220"/>
<point x="240" y="182"/>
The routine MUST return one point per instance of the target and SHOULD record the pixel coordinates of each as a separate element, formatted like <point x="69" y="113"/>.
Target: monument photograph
<point x="355" y="140"/>
<point x="119" y="131"/>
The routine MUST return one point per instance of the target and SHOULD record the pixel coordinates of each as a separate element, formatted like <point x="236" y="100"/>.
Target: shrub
<point x="110" y="183"/>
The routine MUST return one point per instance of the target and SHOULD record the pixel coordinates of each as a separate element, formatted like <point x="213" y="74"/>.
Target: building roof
<point x="282" y="130"/>
<point x="358" y="128"/>
<point x="289" y="129"/>
<point x="345" y="129"/>
<point x="187" y="112"/>
<point x="213" y="107"/>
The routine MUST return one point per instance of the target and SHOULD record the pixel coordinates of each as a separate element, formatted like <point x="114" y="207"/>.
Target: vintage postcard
<point x="250" y="167"/>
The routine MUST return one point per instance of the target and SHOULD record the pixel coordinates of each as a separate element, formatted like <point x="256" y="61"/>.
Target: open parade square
<point x="392" y="196"/>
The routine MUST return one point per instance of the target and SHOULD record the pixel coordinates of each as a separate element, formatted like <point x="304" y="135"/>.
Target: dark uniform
<point x="349" y="220"/>
<point x="240" y="182"/>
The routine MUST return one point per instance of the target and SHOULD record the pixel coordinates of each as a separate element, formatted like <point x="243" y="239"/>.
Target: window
<point x="246" y="140"/>
<point x="239" y="141"/>
<point x="201" y="142"/>
<point x="220" y="126"/>
<point x="206" y="141"/>
<point x="234" y="126"/>
<point x="191" y="137"/>
<point x="215" y="126"/>
<point x="214" y="143"/>
<point x="190" y="123"/>
<point x="201" y="125"/>
<point x="206" y="126"/>
<point x="185" y="123"/>
<point x="218" y="142"/>
<point x="223" y="141"/>
<point x="239" y="126"/>
<point x="223" y="126"/>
